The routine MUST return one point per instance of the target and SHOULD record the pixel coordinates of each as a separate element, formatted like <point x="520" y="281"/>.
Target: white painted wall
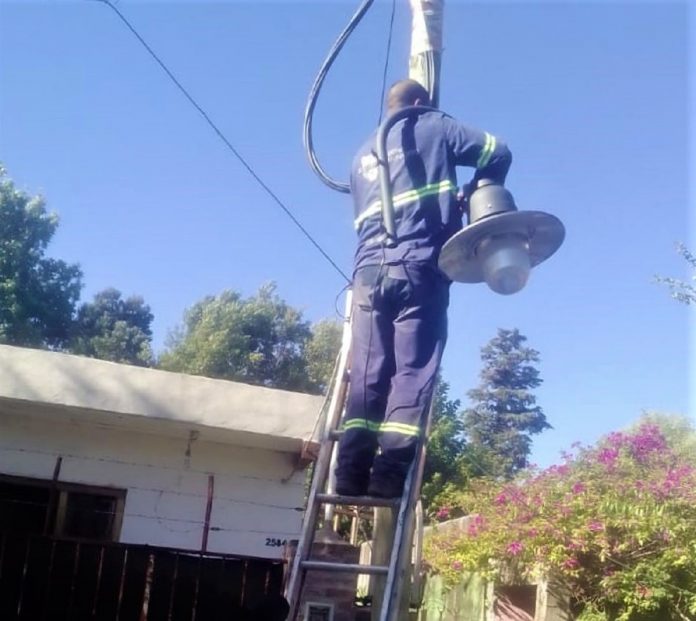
<point x="120" y="394"/>
<point x="256" y="495"/>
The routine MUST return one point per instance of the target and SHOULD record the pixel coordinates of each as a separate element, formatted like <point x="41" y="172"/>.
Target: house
<point x="143" y="488"/>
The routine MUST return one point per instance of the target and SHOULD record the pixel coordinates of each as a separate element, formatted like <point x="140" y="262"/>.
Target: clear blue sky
<point x="591" y="97"/>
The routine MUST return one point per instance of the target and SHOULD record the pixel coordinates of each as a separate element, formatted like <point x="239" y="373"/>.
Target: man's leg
<point x="371" y="367"/>
<point x="420" y="333"/>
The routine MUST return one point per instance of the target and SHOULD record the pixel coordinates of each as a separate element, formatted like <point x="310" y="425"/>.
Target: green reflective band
<point x="361" y="423"/>
<point x="405" y="198"/>
<point x="401" y="428"/>
<point x="487" y="151"/>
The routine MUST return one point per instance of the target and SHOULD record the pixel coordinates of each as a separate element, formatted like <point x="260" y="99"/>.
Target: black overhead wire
<point x="314" y="94"/>
<point x="386" y="61"/>
<point x="224" y="139"/>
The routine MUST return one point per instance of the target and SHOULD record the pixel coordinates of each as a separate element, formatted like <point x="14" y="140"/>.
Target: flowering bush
<point x="614" y="523"/>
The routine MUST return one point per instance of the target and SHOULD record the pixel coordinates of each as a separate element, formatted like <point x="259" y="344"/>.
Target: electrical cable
<point x="314" y="94"/>
<point x="386" y="62"/>
<point x="224" y="139"/>
<point x="339" y="312"/>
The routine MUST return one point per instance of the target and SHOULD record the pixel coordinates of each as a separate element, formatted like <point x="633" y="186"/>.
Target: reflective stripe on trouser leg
<point x="420" y="333"/>
<point x="371" y="368"/>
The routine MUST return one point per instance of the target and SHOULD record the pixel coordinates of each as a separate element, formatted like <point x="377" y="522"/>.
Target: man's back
<point x="424" y="151"/>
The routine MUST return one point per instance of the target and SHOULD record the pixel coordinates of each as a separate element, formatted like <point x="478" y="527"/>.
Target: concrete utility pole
<point x="424" y="67"/>
<point x="426" y="45"/>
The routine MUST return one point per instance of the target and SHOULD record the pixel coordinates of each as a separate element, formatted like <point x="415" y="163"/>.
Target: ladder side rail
<point x="402" y="535"/>
<point x="338" y="402"/>
<point x="417" y="580"/>
<point x="321" y="471"/>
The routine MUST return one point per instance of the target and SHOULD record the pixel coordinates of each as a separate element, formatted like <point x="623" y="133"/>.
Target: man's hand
<point x="463" y="197"/>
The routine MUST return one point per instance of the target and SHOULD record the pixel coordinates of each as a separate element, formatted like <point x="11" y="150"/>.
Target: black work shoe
<point x="350" y="488"/>
<point x="386" y="488"/>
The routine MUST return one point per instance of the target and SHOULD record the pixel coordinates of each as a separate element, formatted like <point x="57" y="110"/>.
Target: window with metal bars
<point x="68" y="510"/>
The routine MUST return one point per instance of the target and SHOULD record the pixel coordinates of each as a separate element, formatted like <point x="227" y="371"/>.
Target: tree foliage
<point x="38" y="294"/>
<point x="321" y="352"/>
<point x="259" y="340"/>
<point x="680" y="290"/>
<point x="113" y="328"/>
<point x="504" y="415"/>
<point x="615" y="524"/>
<point x="445" y="464"/>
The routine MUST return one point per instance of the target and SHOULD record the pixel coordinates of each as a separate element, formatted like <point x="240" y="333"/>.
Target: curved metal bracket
<point x="383" y="163"/>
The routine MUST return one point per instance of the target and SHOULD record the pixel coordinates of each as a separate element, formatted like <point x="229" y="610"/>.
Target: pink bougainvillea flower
<point x="456" y="565"/>
<point x="595" y="526"/>
<point x="608" y="456"/>
<point x="571" y="563"/>
<point x="514" y="548"/>
<point x="578" y="488"/>
<point x="443" y="513"/>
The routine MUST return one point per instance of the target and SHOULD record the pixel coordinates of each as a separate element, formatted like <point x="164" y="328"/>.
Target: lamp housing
<point x="501" y="244"/>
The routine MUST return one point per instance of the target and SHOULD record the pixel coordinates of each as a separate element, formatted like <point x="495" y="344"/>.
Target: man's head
<point x="406" y="93"/>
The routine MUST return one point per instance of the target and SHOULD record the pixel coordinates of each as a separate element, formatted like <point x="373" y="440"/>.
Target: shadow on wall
<point x="505" y="609"/>
<point x="270" y="608"/>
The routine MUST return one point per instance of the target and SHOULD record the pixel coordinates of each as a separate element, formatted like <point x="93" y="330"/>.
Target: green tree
<point x="113" y="328"/>
<point x="321" y="352"/>
<point x="259" y="340"/>
<point x="445" y="464"/>
<point x="504" y="414"/>
<point x="37" y="294"/>
<point x="680" y="290"/>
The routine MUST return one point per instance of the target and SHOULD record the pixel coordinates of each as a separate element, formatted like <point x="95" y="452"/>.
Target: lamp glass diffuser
<point x="505" y="263"/>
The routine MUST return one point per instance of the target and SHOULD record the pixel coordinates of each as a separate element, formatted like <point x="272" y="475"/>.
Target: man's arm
<point x="478" y="149"/>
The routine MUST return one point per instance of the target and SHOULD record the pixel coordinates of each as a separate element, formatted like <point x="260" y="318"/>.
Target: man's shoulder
<point x="368" y="146"/>
<point x="437" y="117"/>
<point x="365" y="163"/>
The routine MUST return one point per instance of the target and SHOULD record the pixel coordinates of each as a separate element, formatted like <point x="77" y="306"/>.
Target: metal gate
<point x="43" y="578"/>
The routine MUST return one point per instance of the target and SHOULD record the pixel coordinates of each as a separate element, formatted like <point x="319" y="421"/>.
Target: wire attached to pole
<point x="314" y="94"/>
<point x="386" y="61"/>
<point x="224" y="139"/>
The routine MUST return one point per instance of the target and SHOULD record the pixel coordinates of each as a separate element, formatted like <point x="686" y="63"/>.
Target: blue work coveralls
<point x="400" y="298"/>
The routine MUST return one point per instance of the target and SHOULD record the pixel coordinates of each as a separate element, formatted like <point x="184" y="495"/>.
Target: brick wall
<point x="330" y="587"/>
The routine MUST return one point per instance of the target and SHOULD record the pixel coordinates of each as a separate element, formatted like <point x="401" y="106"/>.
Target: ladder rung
<point x="348" y="567"/>
<point x="358" y="501"/>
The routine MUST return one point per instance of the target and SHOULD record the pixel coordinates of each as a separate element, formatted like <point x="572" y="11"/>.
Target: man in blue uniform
<point x="400" y="298"/>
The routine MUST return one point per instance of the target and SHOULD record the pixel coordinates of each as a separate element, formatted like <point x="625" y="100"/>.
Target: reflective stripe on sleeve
<point x="400" y="200"/>
<point x="487" y="151"/>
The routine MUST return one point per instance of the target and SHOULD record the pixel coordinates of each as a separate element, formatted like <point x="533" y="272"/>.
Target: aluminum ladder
<point x="321" y="494"/>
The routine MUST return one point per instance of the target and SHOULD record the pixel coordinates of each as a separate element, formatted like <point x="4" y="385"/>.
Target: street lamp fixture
<point x="501" y="244"/>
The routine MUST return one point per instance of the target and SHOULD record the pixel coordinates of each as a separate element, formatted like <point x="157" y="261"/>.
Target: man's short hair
<point x="405" y="93"/>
